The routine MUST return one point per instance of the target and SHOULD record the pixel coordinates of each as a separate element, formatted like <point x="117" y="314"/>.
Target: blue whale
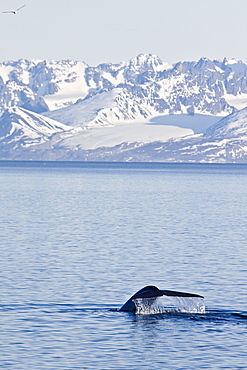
<point x="152" y="291"/>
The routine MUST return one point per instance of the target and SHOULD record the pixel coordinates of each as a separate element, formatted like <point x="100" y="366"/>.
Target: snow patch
<point x="238" y="101"/>
<point x="71" y="87"/>
<point x="5" y="71"/>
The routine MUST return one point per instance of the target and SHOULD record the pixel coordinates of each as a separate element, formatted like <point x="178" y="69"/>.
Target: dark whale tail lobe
<point x="152" y="291"/>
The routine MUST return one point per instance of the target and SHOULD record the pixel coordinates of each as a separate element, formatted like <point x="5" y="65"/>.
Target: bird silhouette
<point x="14" y="11"/>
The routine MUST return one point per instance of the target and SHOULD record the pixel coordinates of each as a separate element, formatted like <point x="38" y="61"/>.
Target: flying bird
<point x="15" y="11"/>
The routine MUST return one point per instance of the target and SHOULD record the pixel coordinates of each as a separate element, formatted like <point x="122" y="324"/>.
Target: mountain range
<point x="141" y="110"/>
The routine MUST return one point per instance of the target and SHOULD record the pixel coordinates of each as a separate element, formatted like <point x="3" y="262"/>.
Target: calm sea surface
<point x="78" y="239"/>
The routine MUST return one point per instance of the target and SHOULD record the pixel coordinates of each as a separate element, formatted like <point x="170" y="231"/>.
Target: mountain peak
<point x="146" y="61"/>
<point x="235" y="65"/>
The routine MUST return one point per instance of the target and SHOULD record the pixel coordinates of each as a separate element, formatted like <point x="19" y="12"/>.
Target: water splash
<point x="189" y="305"/>
<point x="147" y="306"/>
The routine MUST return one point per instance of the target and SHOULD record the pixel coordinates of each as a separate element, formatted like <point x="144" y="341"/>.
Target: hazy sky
<point x="98" y="31"/>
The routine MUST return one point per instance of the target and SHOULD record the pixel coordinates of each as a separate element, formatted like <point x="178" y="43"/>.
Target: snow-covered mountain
<point x="145" y="87"/>
<point x="231" y="127"/>
<point x="20" y="128"/>
<point x="223" y="142"/>
<point x="142" y="110"/>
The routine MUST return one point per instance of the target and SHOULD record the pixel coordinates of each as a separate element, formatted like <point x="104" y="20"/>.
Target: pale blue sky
<point x="98" y="31"/>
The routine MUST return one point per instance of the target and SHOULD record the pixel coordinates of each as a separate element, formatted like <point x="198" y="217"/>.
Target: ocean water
<point x="78" y="239"/>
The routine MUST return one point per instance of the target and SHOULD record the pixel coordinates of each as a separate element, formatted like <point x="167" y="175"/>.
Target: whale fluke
<point x="172" y="293"/>
<point x="152" y="291"/>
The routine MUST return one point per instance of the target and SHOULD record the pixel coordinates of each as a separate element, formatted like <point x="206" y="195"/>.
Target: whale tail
<point x="152" y="291"/>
